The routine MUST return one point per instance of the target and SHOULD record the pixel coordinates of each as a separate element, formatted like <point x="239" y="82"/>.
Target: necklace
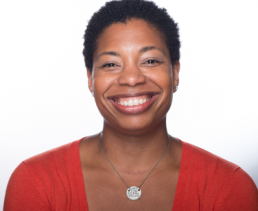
<point x="133" y="192"/>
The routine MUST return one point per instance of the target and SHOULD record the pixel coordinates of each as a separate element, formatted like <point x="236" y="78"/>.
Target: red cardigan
<point x="53" y="180"/>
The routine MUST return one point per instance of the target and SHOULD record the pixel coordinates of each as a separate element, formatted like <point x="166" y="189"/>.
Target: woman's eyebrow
<point x="113" y="53"/>
<point x="149" y="48"/>
<point x="142" y="50"/>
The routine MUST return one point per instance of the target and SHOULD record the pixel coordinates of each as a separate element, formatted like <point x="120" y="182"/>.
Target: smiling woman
<point x="131" y="51"/>
<point x="136" y="78"/>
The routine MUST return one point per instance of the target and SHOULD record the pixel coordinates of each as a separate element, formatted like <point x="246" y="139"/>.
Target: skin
<point x="131" y="58"/>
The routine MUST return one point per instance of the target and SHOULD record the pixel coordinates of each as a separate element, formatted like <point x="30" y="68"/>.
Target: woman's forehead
<point x="132" y="34"/>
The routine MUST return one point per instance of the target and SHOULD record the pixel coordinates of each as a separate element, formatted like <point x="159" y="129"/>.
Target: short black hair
<point x="121" y="11"/>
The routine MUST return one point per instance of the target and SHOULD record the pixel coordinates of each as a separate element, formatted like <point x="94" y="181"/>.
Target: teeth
<point x="132" y="102"/>
<point x="135" y="102"/>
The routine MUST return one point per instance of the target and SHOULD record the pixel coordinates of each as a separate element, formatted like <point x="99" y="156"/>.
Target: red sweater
<point x="53" y="180"/>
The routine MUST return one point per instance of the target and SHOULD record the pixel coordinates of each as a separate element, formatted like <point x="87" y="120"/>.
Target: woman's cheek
<point x="163" y="78"/>
<point x="102" y="82"/>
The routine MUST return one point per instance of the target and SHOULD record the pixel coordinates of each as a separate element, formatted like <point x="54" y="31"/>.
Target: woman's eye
<point x="109" y="65"/>
<point x="151" y="61"/>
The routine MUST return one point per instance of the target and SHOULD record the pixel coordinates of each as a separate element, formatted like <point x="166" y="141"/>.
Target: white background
<point x="45" y="101"/>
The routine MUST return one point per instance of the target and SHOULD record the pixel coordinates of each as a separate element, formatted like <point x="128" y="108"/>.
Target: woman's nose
<point x="131" y="76"/>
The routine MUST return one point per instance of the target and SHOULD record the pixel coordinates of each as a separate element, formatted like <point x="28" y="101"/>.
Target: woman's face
<point x="132" y="77"/>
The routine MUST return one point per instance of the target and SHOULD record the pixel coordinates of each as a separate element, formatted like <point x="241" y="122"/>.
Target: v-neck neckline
<point x="79" y="181"/>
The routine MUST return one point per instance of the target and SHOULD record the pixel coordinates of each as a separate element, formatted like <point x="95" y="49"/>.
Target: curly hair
<point x="124" y="10"/>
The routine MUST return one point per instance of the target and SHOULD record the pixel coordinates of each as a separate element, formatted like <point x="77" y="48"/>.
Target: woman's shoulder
<point x="54" y="156"/>
<point x="202" y="158"/>
<point x="212" y="180"/>
<point x="52" y="162"/>
<point x="209" y="167"/>
<point x="47" y="179"/>
<point x="55" y="164"/>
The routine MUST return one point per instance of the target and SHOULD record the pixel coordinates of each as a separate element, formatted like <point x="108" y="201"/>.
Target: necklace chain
<point x="117" y="171"/>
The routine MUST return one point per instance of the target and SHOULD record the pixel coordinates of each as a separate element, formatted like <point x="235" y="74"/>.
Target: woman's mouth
<point x="133" y="101"/>
<point x="133" y="104"/>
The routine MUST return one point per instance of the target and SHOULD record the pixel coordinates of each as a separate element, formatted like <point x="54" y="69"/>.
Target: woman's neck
<point x="135" y="152"/>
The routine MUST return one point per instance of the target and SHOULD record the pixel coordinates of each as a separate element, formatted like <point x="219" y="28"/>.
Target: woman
<point x="131" y="51"/>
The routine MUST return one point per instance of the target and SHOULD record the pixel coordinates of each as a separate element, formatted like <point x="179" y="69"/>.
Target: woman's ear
<point x="89" y="74"/>
<point x="176" y="69"/>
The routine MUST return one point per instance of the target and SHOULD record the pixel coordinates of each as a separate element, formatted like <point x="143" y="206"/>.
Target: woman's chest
<point x="105" y="191"/>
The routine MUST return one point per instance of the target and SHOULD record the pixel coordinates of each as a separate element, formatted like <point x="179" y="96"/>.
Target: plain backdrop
<point x="45" y="101"/>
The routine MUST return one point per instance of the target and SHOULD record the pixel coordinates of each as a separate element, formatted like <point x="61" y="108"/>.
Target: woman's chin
<point x="135" y="126"/>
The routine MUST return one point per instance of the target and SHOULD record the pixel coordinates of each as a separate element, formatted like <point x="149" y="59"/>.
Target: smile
<point x="134" y="103"/>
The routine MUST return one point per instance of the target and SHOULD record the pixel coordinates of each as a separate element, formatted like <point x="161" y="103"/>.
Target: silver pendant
<point x="133" y="193"/>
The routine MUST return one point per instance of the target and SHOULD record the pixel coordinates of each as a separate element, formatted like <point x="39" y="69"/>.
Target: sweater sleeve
<point x="242" y="193"/>
<point x="22" y="193"/>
